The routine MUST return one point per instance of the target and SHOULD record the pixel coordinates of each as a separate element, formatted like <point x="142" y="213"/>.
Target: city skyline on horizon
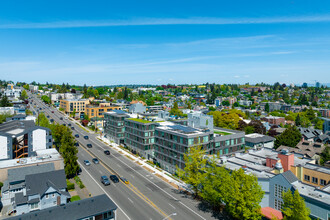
<point x="110" y="43"/>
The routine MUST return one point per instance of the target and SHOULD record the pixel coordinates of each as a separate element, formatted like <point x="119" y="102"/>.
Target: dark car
<point x="107" y="152"/>
<point x="114" y="178"/>
<point x="72" y="128"/>
<point x="89" y="145"/>
<point x="77" y="135"/>
<point x="51" y="120"/>
<point x="47" y="116"/>
<point x="86" y="137"/>
<point x="96" y="161"/>
<point x="52" y="111"/>
<point x="76" y="144"/>
<point x="69" y="125"/>
<point x="105" y="180"/>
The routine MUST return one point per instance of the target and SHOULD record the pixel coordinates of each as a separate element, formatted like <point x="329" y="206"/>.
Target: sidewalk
<point x="152" y="169"/>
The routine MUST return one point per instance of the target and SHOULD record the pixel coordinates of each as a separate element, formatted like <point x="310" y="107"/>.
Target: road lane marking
<point x="103" y="190"/>
<point x="172" y="206"/>
<point x="130" y="200"/>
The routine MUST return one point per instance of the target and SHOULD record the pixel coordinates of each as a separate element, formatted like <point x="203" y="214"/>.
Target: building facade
<point x="19" y="139"/>
<point x="114" y="125"/>
<point x="98" y="111"/>
<point x="77" y="106"/>
<point x="139" y="136"/>
<point x="173" y="141"/>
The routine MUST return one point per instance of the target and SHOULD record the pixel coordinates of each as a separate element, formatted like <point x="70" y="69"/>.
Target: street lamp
<point x="173" y="214"/>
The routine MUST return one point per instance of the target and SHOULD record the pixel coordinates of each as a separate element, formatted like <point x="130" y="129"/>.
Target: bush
<point x="75" y="198"/>
<point x="70" y="185"/>
<point x="79" y="182"/>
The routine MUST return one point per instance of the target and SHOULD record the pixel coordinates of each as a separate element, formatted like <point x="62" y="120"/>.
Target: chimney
<point x="287" y="160"/>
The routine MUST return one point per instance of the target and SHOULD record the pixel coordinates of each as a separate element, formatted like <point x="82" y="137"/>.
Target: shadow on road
<point x="204" y="206"/>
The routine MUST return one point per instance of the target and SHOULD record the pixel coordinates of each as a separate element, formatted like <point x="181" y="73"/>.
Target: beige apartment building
<point x="74" y="105"/>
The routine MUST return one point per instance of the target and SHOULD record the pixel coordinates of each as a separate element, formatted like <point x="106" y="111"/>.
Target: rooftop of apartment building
<point x="258" y="138"/>
<point x="17" y="127"/>
<point x="74" y="100"/>
<point x="182" y="129"/>
<point x="42" y="156"/>
<point x="312" y="192"/>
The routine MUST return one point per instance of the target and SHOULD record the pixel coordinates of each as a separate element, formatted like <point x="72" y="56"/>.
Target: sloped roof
<point x="39" y="183"/>
<point x="73" y="210"/>
<point x="289" y="176"/>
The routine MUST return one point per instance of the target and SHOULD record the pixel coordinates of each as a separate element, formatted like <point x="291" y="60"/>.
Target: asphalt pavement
<point x="145" y="197"/>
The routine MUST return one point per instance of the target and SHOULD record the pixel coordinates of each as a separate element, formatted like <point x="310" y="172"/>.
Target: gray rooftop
<point x="289" y="176"/>
<point x="17" y="175"/>
<point x="40" y="182"/>
<point x="73" y="210"/>
<point x="258" y="138"/>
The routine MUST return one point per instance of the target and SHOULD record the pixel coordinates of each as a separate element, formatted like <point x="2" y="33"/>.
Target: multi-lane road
<point x="145" y="197"/>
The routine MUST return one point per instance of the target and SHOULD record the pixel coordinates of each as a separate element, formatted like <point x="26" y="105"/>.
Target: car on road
<point x="72" y="128"/>
<point x="105" y="180"/>
<point x="86" y="137"/>
<point x="52" y="111"/>
<point x="114" y="178"/>
<point x="96" y="161"/>
<point x="61" y="118"/>
<point x="124" y="180"/>
<point x="76" y="135"/>
<point x="51" y="120"/>
<point x="69" y="125"/>
<point x="107" y="152"/>
<point x="89" y="145"/>
<point x="87" y="163"/>
<point x="76" y="144"/>
<point x="64" y="124"/>
<point x="47" y="116"/>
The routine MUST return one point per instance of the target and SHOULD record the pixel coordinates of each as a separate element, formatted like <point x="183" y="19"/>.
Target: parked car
<point x="107" y="152"/>
<point x="72" y="128"/>
<point x="105" y="180"/>
<point x="76" y="135"/>
<point x="86" y="137"/>
<point x="124" y="180"/>
<point x="89" y="145"/>
<point x="87" y="163"/>
<point x="114" y="178"/>
<point x="96" y="161"/>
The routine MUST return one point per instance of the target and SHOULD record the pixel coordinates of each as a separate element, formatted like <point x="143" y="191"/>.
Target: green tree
<point x="193" y="171"/>
<point x="298" y="120"/>
<point x="4" y="116"/>
<point x="294" y="207"/>
<point x="4" y="102"/>
<point x="325" y="155"/>
<point x="249" y="129"/>
<point x="23" y="95"/>
<point x="267" y="107"/>
<point x="290" y="137"/>
<point x="243" y="196"/>
<point x="216" y="184"/>
<point x="319" y="124"/>
<point x="26" y="86"/>
<point x="45" y="99"/>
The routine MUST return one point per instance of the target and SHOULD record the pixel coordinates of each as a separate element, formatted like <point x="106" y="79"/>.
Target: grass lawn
<point x="75" y="198"/>
<point x="221" y="132"/>
<point x="139" y="120"/>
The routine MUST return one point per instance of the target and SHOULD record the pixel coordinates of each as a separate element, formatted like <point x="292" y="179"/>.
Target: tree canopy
<point x="290" y="137"/>
<point x="294" y="207"/>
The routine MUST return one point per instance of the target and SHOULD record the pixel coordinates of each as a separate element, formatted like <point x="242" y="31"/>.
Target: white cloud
<point x="167" y="21"/>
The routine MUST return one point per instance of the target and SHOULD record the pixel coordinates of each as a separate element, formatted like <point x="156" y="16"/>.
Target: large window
<point x="323" y="182"/>
<point x="307" y="178"/>
<point x="314" y="180"/>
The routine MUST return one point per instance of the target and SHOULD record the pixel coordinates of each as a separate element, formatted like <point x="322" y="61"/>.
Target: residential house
<point x="97" y="207"/>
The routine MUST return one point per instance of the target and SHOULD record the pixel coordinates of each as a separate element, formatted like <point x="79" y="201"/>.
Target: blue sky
<point x="159" y="42"/>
